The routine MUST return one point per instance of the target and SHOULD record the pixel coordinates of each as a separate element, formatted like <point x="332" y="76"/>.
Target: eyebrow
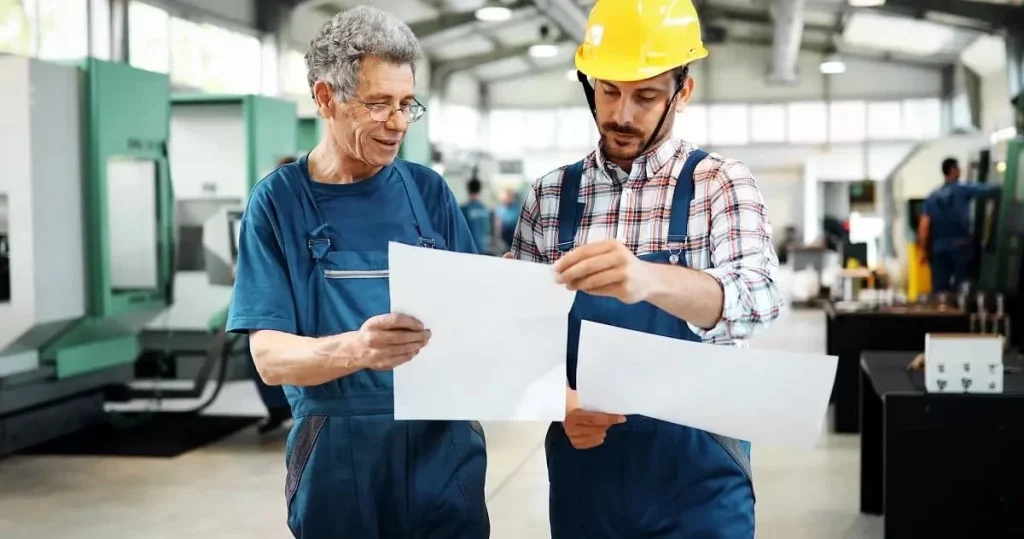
<point x="387" y="97"/>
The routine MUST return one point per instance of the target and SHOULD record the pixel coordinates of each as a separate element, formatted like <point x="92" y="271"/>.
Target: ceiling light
<point x="866" y="3"/>
<point x="544" y="50"/>
<point x="493" y="14"/>
<point x="832" y="66"/>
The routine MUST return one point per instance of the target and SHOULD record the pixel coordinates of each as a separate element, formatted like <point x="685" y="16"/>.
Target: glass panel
<point x="692" y="125"/>
<point x="186" y="53"/>
<point x="847" y="121"/>
<point x="150" y="37"/>
<point x="729" y="124"/>
<point x="885" y="120"/>
<point x="539" y="130"/>
<point x="63" y="29"/>
<point x="768" y="123"/>
<point x="807" y="123"/>
<point x="295" y="74"/>
<point x="506" y="132"/>
<point x="922" y="118"/>
<point x="15" y="28"/>
<point x="132" y="235"/>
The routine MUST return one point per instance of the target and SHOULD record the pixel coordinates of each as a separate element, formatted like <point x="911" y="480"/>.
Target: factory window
<point x="149" y="35"/>
<point x="461" y="126"/>
<point x="729" y="124"/>
<point x="807" y="122"/>
<point x="295" y="74"/>
<point x="692" y="125"/>
<point x="847" y="121"/>
<point x="63" y="29"/>
<point x="506" y="131"/>
<point x="576" y="129"/>
<point x="768" y="123"/>
<point x="539" y="129"/>
<point x="15" y="28"/>
<point x="922" y="118"/>
<point x="186" y="53"/>
<point x="885" y="120"/>
<point x="232" y="61"/>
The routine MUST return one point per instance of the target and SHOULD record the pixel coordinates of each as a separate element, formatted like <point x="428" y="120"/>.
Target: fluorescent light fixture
<point x="832" y="67"/>
<point x="1000" y="135"/>
<point x="544" y="50"/>
<point x="571" y="75"/>
<point x="493" y="14"/>
<point x="865" y="3"/>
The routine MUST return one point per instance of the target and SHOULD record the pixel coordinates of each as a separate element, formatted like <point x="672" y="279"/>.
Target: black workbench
<point x="849" y="334"/>
<point x="940" y="465"/>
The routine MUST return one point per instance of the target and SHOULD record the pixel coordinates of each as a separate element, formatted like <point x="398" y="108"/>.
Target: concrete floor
<point x="234" y="489"/>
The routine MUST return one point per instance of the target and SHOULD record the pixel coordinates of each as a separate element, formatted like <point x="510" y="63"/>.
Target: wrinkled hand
<point x="584" y="429"/>
<point x="605" y="268"/>
<point x="389" y="340"/>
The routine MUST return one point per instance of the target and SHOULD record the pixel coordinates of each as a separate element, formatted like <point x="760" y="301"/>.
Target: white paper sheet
<point x="761" y="396"/>
<point x="499" y="330"/>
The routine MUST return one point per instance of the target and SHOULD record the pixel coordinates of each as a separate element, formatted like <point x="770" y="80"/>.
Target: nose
<point x="623" y="111"/>
<point x="397" y="122"/>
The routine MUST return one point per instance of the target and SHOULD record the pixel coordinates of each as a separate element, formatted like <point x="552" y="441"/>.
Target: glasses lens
<point x="380" y="113"/>
<point x="415" y="113"/>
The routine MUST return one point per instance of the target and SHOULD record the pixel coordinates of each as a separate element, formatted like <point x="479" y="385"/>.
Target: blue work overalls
<point x="353" y="471"/>
<point x="649" y="479"/>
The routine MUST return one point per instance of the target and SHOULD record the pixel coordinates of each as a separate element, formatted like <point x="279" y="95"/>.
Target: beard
<point x="632" y="138"/>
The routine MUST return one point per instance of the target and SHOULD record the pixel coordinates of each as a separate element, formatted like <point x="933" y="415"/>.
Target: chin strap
<point x="588" y="91"/>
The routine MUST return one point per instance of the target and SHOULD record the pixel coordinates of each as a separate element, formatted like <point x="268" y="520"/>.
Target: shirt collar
<point x="644" y="167"/>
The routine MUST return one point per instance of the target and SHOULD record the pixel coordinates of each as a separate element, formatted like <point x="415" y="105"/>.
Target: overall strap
<point x="419" y="211"/>
<point x="568" y="206"/>
<point x="679" y="220"/>
<point x="317" y="241"/>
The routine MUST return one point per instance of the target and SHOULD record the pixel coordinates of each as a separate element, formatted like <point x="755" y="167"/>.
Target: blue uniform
<point x="313" y="261"/>
<point x="952" y="252"/>
<point x="649" y="478"/>
<point x="480" y="220"/>
<point x="508" y="217"/>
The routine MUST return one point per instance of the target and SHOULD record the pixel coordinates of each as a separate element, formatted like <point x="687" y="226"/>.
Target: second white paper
<point x="761" y="396"/>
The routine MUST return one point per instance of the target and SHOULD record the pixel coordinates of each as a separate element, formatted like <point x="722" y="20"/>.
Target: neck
<point x="329" y="164"/>
<point x="627" y="164"/>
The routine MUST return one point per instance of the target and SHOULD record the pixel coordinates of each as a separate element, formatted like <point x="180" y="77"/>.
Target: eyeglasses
<point x="382" y="112"/>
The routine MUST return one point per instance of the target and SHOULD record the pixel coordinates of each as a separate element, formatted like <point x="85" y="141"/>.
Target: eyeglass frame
<point x="392" y="110"/>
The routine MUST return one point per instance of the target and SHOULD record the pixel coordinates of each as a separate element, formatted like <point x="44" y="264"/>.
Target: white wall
<point x="737" y="73"/>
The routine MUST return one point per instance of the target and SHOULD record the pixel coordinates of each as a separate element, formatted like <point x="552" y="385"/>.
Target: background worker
<point x="507" y="216"/>
<point x="312" y="289"/>
<point x="478" y="216"/>
<point x="944" y="231"/>
<point x="660" y="237"/>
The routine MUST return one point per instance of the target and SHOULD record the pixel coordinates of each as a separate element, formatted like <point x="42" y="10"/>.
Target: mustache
<point x="621" y="129"/>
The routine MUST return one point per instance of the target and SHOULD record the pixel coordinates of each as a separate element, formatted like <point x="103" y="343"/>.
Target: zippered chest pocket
<point x="356" y="274"/>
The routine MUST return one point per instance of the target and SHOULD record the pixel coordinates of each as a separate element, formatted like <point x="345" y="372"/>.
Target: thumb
<point x="508" y="255"/>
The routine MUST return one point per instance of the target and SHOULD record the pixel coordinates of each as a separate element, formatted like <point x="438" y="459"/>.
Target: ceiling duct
<point x="789" y="29"/>
<point x="567" y="15"/>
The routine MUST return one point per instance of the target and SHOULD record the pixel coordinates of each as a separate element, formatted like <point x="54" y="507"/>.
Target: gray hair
<point x="336" y="52"/>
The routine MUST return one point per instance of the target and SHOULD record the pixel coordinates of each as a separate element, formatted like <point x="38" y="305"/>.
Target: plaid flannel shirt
<point x="729" y="235"/>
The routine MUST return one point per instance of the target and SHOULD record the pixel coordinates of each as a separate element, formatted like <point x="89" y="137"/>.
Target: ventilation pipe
<point x="569" y="16"/>
<point x="789" y="29"/>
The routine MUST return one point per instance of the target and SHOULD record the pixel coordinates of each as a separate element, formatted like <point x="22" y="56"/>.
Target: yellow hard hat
<point x="631" y="40"/>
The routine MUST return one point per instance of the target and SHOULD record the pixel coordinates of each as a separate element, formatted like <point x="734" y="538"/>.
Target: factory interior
<point x="133" y="131"/>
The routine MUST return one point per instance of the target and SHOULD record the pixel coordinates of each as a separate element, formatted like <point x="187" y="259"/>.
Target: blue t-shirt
<point x="479" y="218"/>
<point x="949" y="208"/>
<point x="274" y="265"/>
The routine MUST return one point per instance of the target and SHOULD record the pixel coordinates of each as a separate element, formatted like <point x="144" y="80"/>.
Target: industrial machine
<point x="220" y="147"/>
<point x="87" y="223"/>
<point x="310" y="131"/>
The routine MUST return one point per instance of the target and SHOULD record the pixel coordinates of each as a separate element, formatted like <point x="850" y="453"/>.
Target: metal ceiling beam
<point x="1001" y="15"/>
<point x="728" y="14"/>
<point x="569" y="16"/>
<point x="448" y="21"/>
<point x="559" y="67"/>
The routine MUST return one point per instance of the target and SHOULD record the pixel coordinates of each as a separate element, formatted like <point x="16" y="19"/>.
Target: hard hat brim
<point x="622" y="73"/>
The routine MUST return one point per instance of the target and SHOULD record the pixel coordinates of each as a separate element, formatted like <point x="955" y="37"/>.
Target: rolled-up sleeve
<point x="743" y="259"/>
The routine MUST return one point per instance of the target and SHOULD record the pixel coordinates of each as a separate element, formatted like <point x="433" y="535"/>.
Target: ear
<point x="324" y="96"/>
<point x="685" y="94"/>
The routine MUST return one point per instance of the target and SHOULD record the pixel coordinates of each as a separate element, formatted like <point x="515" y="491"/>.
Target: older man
<point x="658" y="236"/>
<point x="312" y="290"/>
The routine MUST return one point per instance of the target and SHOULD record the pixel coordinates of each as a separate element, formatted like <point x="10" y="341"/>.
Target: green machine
<point x="88" y="216"/>
<point x="220" y="146"/>
<point x="310" y="131"/>
<point x="1002" y="221"/>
